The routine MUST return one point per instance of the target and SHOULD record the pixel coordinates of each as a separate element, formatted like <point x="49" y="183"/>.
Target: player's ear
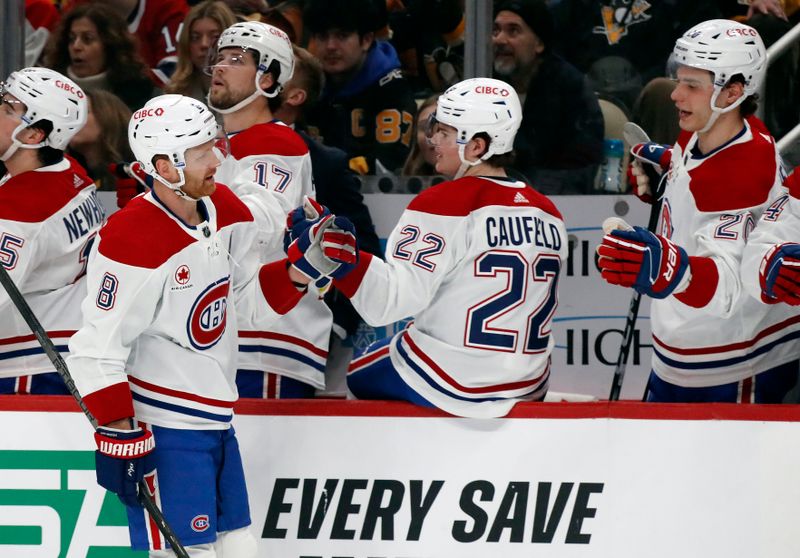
<point x="267" y="81"/>
<point x="734" y="90"/>
<point x="295" y="97"/>
<point x="32" y="135"/>
<point x="165" y="168"/>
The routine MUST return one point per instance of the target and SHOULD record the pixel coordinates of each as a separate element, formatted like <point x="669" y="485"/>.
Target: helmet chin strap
<point x="244" y="102"/>
<point x="465" y="164"/>
<point x="175" y="186"/>
<point x="717" y="111"/>
<point x="16" y="144"/>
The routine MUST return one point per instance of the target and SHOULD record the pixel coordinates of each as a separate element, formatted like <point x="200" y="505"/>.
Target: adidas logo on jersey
<point x="519" y="198"/>
<point x="77" y="181"/>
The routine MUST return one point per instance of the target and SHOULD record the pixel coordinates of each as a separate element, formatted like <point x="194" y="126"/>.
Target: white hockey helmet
<point x="480" y="105"/>
<point x="269" y="42"/>
<point x="169" y="125"/>
<point x="47" y="95"/>
<point x="726" y="49"/>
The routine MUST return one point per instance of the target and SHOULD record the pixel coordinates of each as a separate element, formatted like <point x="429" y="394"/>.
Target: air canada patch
<point x="207" y="320"/>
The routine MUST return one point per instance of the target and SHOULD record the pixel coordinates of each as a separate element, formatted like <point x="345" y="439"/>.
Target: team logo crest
<point x="200" y="523"/>
<point x="619" y="16"/>
<point x="182" y="275"/>
<point x="208" y="317"/>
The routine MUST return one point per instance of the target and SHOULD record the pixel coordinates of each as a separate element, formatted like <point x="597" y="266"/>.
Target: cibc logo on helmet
<point x="491" y="90"/>
<point x="67" y="87"/>
<point x="145" y="112"/>
<point x="741" y="32"/>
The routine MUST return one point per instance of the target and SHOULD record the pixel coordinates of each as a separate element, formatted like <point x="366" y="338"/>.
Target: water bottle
<point x="610" y="176"/>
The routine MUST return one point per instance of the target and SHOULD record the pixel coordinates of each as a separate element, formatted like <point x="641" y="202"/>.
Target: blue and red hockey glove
<point x="780" y="274"/>
<point x="300" y="218"/>
<point x="650" y="161"/>
<point x="122" y="459"/>
<point x="650" y="263"/>
<point x="326" y="249"/>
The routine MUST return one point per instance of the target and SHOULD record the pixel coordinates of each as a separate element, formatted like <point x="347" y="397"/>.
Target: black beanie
<point x="534" y="13"/>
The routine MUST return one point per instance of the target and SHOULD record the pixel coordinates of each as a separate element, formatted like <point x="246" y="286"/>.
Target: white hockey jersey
<point x="160" y="317"/>
<point x="48" y="220"/>
<point x="779" y="224"/>
<point x="476" y="261"/>
<point x="714" y="333"/>
<point x="269" y="168"/>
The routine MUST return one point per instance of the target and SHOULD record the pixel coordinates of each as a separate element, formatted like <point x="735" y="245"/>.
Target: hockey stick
<point x="61" y="367"/>
<point x="633" y="135"/>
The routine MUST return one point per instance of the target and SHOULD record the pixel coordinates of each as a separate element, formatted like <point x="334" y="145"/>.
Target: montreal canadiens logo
<point x="207" y="319"/>
<point x="200" y="523"/>
<point x="182" y="275"/>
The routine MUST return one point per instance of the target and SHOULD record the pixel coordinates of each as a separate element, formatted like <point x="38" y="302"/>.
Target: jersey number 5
<point x="8" y="250"/>
<point x="480" y="334"/>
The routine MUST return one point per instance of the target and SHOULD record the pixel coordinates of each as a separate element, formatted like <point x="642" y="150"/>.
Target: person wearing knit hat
<point x="560" y="142"/>
<point x="528" y="30"/>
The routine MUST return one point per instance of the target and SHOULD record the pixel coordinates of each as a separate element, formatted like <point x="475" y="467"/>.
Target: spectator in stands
<point x="202" y="27"/>
<point x="103" y="142"/>
<point x="337" y="187"/>
<point x="155" y="23"/>
<point x="367" y="108"/>
<point x="429" y="38"/>
<point x="422" y="158"/>
<point x="641" y="32"/>
<point x="560" y="142"/>
<point x="93" y="47"/>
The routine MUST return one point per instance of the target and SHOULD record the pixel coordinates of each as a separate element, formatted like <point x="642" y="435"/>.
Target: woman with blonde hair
<point x="202" y="27"/>
<point x="421" y="159"/>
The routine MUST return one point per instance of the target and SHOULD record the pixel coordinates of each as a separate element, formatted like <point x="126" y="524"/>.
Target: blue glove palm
<point x="122" y="459"/>
<point x="300" y="218"/>
<point x="637" y="258"/>
<point x="780" y="274"/>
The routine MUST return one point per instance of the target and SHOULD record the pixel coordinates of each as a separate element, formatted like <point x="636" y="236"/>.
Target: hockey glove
<point x="300" y="218"/>
<point x="780" y="274"/>
<point x="122" y="459"/>
<point x="637" y="258"/>
<point x="131" y="181"/>
<point x="311" y="252"/>
<point x="656" y="154"/>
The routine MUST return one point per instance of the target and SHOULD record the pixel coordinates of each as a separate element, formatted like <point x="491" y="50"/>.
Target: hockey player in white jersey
<point x="711" y="342"/>
<point x="169" y="278"/>
<point x="269" y="168"/>
<point x="476" y="262"/>
<point x="49" y="215"/>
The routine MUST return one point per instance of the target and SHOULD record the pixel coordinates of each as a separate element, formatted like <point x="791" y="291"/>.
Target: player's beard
<point x="225" y="99"/>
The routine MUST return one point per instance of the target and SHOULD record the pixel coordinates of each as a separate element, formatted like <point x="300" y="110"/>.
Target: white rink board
<point x="655" y="488"/>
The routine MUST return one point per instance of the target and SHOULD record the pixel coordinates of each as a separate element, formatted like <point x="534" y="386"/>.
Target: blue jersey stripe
<point x="728" y="361"/>
<point x="282" y="352"/>
<point x="180" y="409"/>
<point x="31" y="351"/>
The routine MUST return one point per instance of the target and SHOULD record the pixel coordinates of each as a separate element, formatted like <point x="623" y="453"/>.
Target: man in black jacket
<point x="560" y="142"/>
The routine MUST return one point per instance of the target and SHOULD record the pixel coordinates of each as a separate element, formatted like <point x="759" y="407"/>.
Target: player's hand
<point x="766" y="7"/>
<point x="640" y="182"/>
<point x="122" y="459"/>
<point x="780" y="274"/>
<point x="650" y="263"/>
<point x="323" y="248"/>
<point x="656" y="154"/>
<point x="300" y="218"/>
